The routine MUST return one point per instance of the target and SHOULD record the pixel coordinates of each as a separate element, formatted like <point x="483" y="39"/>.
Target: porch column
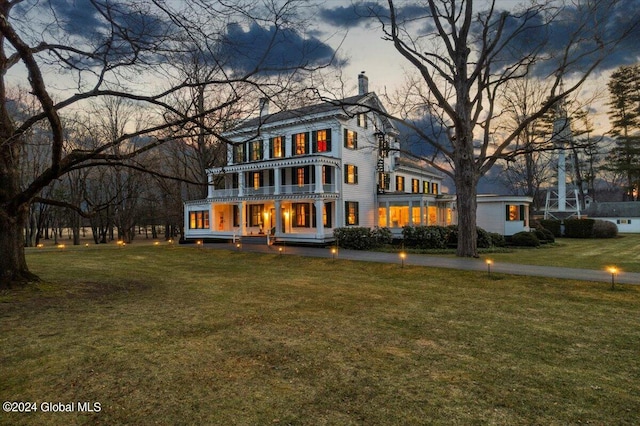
<point x="422" y="212"/>
<point x="411" y="213"/>
<point x="386" y="206"/>
<point x="210" y="186"/>
<point x="240" y="184"/>
<point x="278" y="216"/>
<point x="319" y="222"/>
<point x="319" y="188"/>
<point x="241" y="220"/>
<point x="276" y="184"/>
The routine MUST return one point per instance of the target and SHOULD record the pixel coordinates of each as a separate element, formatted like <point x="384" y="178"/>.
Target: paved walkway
<point x="444" y="262"/>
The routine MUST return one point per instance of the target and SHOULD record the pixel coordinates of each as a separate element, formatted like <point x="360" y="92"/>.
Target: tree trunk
<point x="466" y="180"/>
<point x="13" y="265"/>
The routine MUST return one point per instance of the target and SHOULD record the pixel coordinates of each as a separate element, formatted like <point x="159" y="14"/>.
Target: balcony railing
<point x="271" y="190"/>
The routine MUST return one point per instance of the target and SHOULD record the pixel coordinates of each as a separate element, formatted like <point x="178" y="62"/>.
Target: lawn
<point x="623" y="251"/>
<point x="194" y="336"/>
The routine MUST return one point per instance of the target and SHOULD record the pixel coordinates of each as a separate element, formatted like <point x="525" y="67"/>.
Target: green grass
<point x="194" y="336"/>
<point x="623" y="252"/>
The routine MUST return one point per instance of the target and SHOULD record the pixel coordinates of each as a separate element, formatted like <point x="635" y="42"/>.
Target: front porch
<point x="308" y="221"/>
<point x="396" y="211"/>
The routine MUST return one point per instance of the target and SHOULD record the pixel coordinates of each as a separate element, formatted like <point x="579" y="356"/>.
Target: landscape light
<point x="489" y="262"/>
<point x="60" y="246"/>
<point x="403" y="255"/>
<point x="333" y="253"/>
<point x="613" y="270"/>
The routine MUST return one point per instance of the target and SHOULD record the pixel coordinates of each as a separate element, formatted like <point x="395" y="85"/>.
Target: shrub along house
<point x="299" y="174"/>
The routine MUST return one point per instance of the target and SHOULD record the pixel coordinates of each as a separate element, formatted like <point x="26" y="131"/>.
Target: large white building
<point x="297" y="175"/>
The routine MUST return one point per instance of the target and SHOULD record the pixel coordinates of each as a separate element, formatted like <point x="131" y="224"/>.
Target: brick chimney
<point x="363" y="84"/>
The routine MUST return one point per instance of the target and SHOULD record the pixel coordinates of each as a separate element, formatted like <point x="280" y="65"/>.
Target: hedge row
<point x="439" y="237"/>
<point x="581" y="228"/>
<point x="360" y="238"/>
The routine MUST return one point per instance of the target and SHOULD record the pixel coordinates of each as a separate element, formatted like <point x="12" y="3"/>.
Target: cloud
<point x="271" y="50"/>
<point x="530" y="29"/>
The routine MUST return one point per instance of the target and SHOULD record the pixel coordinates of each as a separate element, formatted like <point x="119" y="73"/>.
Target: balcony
<point x="271" y="190"/>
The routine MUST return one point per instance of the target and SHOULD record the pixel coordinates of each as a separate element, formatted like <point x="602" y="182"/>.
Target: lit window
<point x="435" y="188"/>
<point x="400" y="183"/>
<point x="415" y="186"/>
<point x="351" y="210"/>
<point x="322" y="140"/>
<point x="300" y="143"/>
<point x="301" y="215"/>
<point x="362" y="120"/>
<point x="199" y="219"/>
<point x="255" y="153"/>
<point x="515" y="212"/>
<point x="300" y="176"/>
<point x="276" y="146"/>
<point x="238" y="153"/>
<point x="426" y="187"/>
<point x="255" y="214"/>
<point x="351" y="174"/>
<point x="257" y="177"/>
<point x="350" y="139"/>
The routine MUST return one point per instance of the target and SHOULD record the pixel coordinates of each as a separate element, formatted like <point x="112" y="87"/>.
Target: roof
<point x="421" y="165"/>
<point x="327" y="108"/>
<point x="619" y="209"/>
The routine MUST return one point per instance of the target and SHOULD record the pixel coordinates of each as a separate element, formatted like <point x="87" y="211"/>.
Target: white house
<point x="626" y="214"/>
<point x="503" y="214"/>
<point x="296" y="175"/>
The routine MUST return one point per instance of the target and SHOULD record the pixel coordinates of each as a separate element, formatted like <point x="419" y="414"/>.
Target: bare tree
<point x="466" y="57"/>
<point x="126" y="55"/>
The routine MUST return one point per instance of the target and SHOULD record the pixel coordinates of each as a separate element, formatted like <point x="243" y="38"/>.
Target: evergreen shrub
<point x="578" y="228"/>
<point x="604" y="229"/>
<point x="552" y="225"/>
<point x="525" y="239"/>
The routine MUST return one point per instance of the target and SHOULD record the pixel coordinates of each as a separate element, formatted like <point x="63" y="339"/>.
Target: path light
<point x="40" y="245"/>
<point x="334" y="252"/>
<point x="280" y="250"/>
<point x="403" y="255"/>
<point x="156" y="243"/>
<point x="238" y="246"/>
<point x="199" y="243"/>
<point x="60" y="246"/>
<point x="614" y="271"/>
<point x="489" y="262"/>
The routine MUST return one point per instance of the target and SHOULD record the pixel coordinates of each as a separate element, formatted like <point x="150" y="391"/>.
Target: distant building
<point x="626" y="214"/>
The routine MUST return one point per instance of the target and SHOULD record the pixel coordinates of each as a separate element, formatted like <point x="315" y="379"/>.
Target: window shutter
<point x="328" y="139"/>
<point x="355" y="174"/>
<point x="522" y="212"/>
<point x="314" y="215"/>
<point x="355" y="140"/>
<point x="307" y="143"/>
<point x="270" y="147"/>
<point x="357" y="209"/>
<point x="314" y="142"/>
<point x="506" y="213"/>
<point x="344" y="143"/>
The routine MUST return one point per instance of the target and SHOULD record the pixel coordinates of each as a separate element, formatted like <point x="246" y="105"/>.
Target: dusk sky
<point x="343" y="24"/>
